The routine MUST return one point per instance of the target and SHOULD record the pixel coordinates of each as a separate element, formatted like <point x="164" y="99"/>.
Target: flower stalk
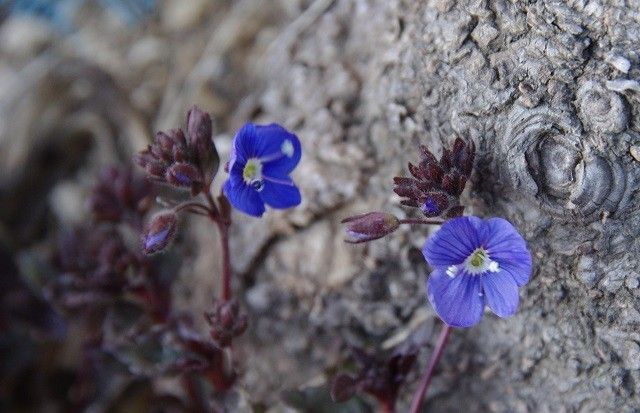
<point x="418" y="221"/>
<point x="418" y="397"/>
<point x="226" y="260"/>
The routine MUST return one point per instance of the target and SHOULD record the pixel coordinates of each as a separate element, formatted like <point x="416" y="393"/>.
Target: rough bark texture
<point x="548" y="91"/>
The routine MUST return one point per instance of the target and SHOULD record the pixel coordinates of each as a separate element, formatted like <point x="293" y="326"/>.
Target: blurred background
<point x="88" y="324"/>
<point x="84" y="85"/>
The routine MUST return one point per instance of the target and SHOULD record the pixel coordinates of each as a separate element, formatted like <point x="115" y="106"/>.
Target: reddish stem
<point x="387" y="406"/>
<point x="421" y="221"/>
<point x="223" y="224"/>
<point x="194" y="205"/>
<point x="226" y="261"/>
<point x="198" y="404"/>
<point x="418" y="397"/>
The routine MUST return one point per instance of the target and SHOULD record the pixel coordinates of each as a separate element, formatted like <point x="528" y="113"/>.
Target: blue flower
<point x="261" y="159"/>
<point x="476" y="262"/>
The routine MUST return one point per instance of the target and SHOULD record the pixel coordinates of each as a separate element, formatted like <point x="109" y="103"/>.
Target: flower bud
<point x="155" y="169"/>
<point x="177" y="136"/>
<point x="183" y="174"/>
<point x="119" y="195"/>
<point x="370" y="226"/>
<point x="227" y="322"/>
<point x="159" y="232"/>
<point x="143" y="158"/>
<point x="434" y="204"/>
<point x="436" y="185"/>
<point x="199" y="128"/>
<point x="164" y="145"/>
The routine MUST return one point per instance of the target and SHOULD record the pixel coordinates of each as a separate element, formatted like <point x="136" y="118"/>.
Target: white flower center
<point x="477" y="263"/>
<point x="252" y="173"/>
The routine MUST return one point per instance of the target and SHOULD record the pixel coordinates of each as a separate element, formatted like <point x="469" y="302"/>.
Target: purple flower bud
<point x="434" y="203"/>
<point x="200" y="131"/>
<point x="183" y="175"/>
<point x="436" y="186"/>
<point x="165" y="143"/>
<point x="430" y="207"/>
<point x="199" y="127"/>
<point x="155" y="169"/>
<point x="180" y="154"/>
<point x="159" y="232"/>
<point x="227" y="322"/>
<point x="370" y="226"/>
<point x="178" y="137"/>
<point x="119" y="195"/>
<point x="143" y="158"/>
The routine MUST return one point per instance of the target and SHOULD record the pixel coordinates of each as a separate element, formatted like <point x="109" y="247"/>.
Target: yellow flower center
<point x="252" y="174"/>
<point x="252" y="170"/>
<point x="479" y="262"/>
<point x="477" y="258"/>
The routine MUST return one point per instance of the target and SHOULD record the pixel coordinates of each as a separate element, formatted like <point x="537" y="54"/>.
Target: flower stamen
<point x="252" y="174"/>
<point x="479" y="262"/>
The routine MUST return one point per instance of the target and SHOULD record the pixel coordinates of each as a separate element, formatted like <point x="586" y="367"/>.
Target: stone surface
<point x="530" y="83"/>
<point x="548" y="92"/>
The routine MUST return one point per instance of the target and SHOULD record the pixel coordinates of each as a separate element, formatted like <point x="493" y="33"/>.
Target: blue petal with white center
<point x="476" y="263"/>
<point x="262" y="158"/>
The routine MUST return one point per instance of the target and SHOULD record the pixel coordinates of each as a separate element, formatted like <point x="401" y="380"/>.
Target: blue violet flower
<point x="476" y="262"/>
<point x="262" y="158"/>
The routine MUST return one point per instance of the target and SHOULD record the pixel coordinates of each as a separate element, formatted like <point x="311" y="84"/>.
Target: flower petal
<point x="276" y="139"/>
<point x="243" y="197"/>
<point x="453" y="242"/>
<point x="260" y="140"/>
<point x="507" y="247"/>
<point x="457" y="300"/>
<point x="280" y="148"/>
<point x="280" y="195"/>
<point x="271" y="138"/>
<point x="501" y="293"/>
<point x="244" y="144"/>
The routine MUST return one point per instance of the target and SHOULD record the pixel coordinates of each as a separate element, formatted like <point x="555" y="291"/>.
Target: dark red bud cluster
<point x="370" y="226"/>
<point x="227" y="322"/>
<point x="436" y="186"/>
<point x="184" y="162"/>
<point x="120" y="195"/>
<point x="93" y="266"/>
<point x="380" y="377"/>
<point x="159" y="232"/>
